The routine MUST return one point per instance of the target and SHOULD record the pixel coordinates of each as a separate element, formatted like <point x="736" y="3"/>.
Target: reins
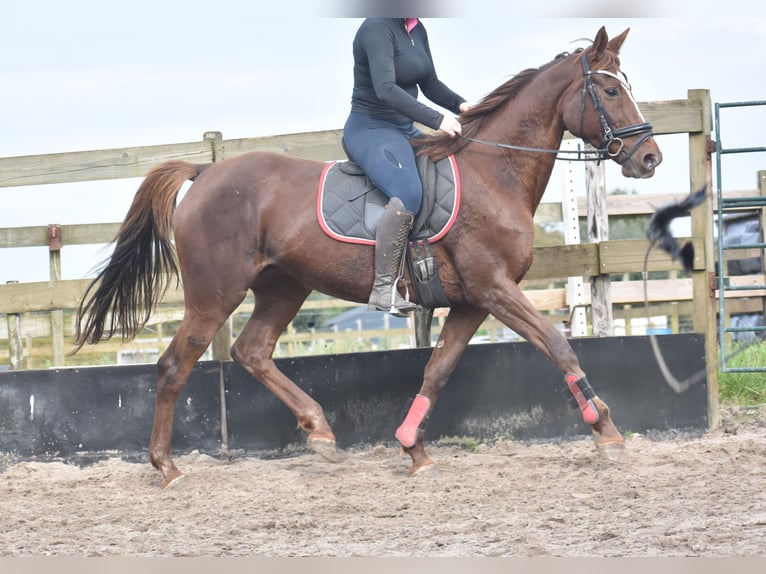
<point x="591" y="155"/>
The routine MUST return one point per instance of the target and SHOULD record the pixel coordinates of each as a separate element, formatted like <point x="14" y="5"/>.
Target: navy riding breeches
<point x="382" y="148"/>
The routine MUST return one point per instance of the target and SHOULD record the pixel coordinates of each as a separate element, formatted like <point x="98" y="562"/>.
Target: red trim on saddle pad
<point x="320" y="216"/>
<point x="362" y="241"/>
<point x="456" y="208"/>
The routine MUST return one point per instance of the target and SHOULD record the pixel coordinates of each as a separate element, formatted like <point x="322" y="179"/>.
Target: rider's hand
<point x="451" y="126"/>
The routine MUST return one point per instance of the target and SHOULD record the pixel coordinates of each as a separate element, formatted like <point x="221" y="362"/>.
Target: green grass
<point x="464" y="442"/>
<point x="744" y="389"/>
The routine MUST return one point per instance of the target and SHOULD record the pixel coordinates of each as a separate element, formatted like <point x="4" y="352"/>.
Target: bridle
<point x="610" y="136"/>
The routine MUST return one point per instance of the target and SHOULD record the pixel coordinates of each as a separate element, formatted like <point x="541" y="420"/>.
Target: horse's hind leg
<point x="189" y="343"/>
<point x="274" y="309"/>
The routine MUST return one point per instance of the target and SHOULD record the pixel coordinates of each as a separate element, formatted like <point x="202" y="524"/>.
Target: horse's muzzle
<point x="641" y="165"/>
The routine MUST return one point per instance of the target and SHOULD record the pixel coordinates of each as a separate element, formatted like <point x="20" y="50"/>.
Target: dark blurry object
<point x="658" y="231"/>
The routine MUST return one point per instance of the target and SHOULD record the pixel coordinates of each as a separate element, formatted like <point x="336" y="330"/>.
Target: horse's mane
<point x="440" y="145"/>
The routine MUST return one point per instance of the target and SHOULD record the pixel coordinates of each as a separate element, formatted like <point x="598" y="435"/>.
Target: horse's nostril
<point x="651" y="161"/>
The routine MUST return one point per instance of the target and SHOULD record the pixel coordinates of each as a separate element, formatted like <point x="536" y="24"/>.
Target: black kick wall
<point x="498" y="390"/>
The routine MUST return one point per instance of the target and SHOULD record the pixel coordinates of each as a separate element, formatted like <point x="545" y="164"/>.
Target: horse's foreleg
<point x="187" y="346"/>
<point x="516" y="311"/>
<point x="458" y="329"/>
<point x="274" y="309"/>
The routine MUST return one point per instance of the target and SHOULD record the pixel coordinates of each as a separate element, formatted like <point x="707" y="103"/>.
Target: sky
<point x="85" y="75"/>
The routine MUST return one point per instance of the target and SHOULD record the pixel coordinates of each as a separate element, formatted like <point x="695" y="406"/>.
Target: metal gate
<point x="729" y="210"/>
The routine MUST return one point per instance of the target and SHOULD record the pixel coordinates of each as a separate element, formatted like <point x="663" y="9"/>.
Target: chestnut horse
<point x="249" y="223"/>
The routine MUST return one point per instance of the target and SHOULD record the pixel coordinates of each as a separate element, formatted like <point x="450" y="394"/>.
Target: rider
<point x="391" y="60"/>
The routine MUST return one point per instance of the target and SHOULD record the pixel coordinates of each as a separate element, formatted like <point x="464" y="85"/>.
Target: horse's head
<point x="599" y="108"/>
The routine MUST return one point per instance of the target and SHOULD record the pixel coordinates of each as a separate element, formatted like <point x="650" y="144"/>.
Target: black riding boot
<point x="390" y="239"/>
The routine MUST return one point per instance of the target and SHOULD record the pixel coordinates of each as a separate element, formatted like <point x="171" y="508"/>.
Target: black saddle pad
<point x="349" y="205"/>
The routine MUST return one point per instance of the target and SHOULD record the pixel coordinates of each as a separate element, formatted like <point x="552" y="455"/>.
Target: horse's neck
<point x="531" y="119"/>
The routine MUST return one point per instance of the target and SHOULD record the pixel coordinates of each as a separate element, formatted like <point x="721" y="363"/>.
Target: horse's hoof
<point x="172" y="479"/>
<point x="427" y="468"/>
<point x="613" y="451"/>
<point x="325" y="448"/>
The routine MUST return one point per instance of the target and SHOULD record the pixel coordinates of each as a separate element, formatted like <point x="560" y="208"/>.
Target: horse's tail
<point x="136" y="276"/>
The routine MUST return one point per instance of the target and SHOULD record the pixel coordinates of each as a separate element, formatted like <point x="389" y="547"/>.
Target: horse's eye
<point x="612" y="92"/>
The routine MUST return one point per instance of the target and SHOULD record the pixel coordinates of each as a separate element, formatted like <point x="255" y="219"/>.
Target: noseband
<point x="610" y="136"/>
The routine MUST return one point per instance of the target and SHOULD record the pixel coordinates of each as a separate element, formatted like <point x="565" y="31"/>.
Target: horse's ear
<point x="600" y="43"/>
<point x="616" y="43"/>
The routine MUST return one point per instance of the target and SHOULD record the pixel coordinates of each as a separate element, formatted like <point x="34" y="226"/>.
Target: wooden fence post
<point x="57" y="315"/>
<point x="700" y="173"/>
<point x="598" y="231"/>
<point x="421" y="321"/>
<point x="15" y="340"/>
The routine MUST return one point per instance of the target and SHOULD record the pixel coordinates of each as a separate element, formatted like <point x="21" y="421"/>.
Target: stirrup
<point x="405" y="305"/>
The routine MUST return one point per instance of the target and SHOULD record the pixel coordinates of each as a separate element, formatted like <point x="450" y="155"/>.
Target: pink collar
<point x="410" y="23"/>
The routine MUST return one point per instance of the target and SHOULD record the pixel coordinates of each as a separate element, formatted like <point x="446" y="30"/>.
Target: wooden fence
<point x="45" y="307"/>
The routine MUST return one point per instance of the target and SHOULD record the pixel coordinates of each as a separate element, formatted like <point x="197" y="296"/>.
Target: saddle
<point x="349" y="207"/>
